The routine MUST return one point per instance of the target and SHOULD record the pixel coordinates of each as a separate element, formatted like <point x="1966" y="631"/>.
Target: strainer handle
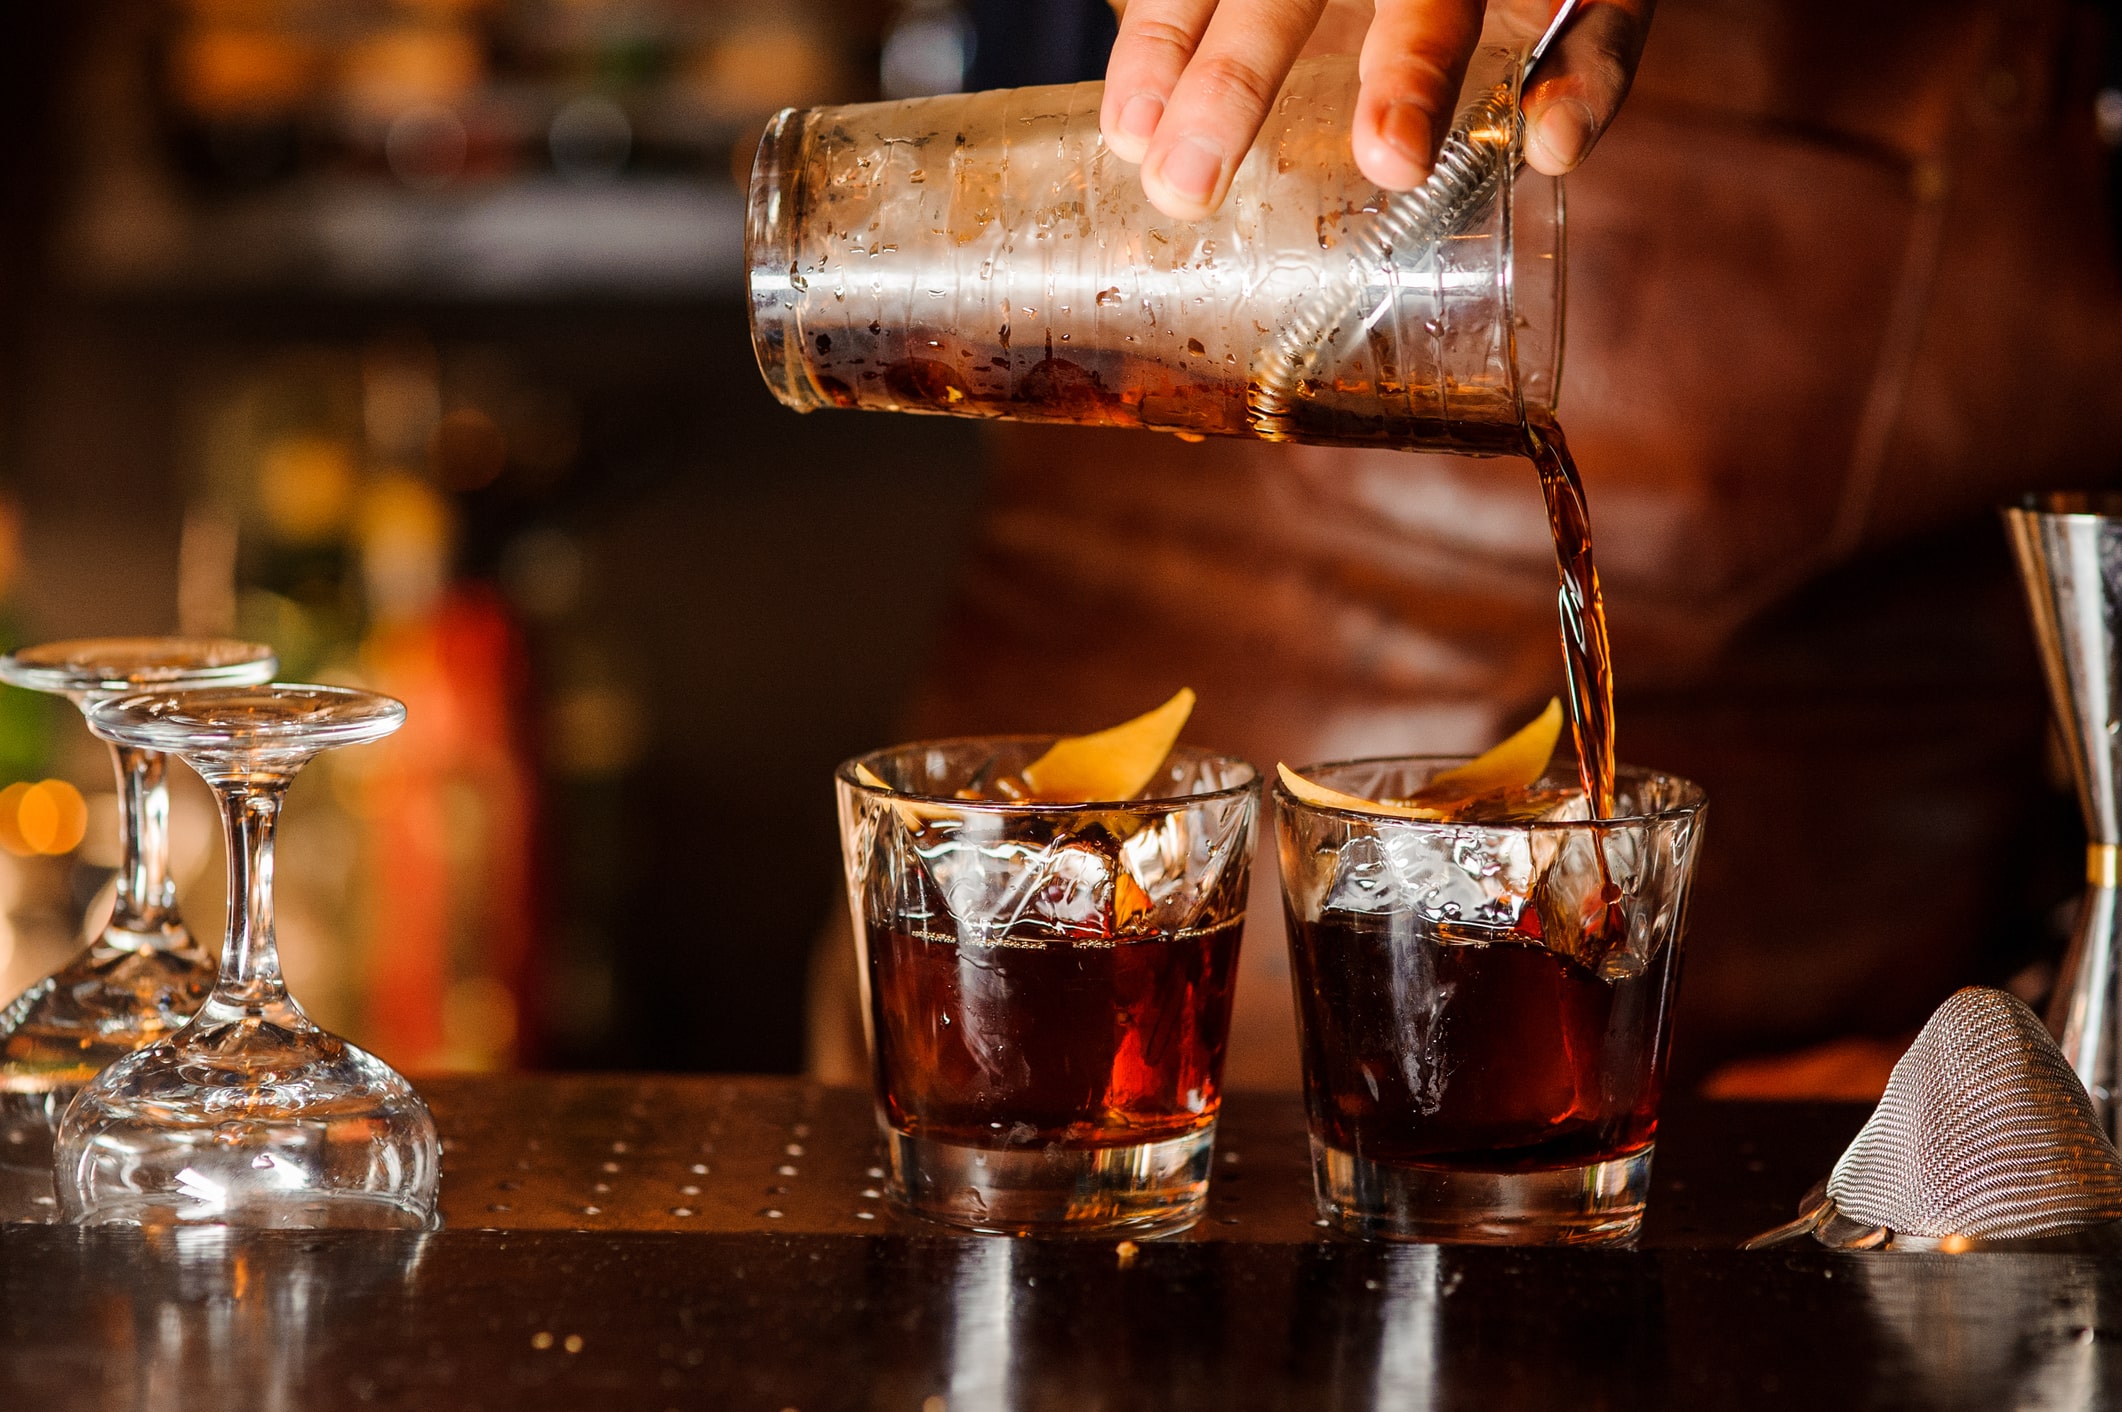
<point x="1816" y="1208"/>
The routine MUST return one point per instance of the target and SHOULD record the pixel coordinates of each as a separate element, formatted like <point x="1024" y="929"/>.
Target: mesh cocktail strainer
<point x="1984" y="1135"/>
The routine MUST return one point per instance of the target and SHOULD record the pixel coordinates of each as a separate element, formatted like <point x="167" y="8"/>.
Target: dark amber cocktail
<point x="1049" y="985"/>
<point x="1485" y="1002"/>
<point x="1094" y="1043"/>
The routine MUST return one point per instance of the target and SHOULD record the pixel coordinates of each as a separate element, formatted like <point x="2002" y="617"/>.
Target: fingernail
<point x="1192" y="168"/>
<point x="1138" y="120"/>
<point x="1564" y="129"/>
<point x="1405" y="128"/>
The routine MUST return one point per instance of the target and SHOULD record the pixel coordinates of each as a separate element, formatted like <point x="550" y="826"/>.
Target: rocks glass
<point x="143" y="975"/>
<point x="250" y="1115"/>
<point x="1485" y="1005"/>
<point x="1047" y="987"/>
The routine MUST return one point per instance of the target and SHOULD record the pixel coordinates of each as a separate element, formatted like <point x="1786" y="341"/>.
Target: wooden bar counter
<point x="677" y="1242"/>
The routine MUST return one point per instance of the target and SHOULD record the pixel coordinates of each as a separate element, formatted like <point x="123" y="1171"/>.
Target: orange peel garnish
<point x="1514" y="764"/>
<point x="1113" y="764"/>
<point x="1320" y="797"/>
<point x="1129" y="900"/>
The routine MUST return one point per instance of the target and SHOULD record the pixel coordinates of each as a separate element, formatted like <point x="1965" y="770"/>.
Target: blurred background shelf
<point x="536" y="240"/>
<point x="409" y="336"/>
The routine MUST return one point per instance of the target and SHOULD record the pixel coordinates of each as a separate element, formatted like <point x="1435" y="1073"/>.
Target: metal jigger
<point x="2069" y="548"/>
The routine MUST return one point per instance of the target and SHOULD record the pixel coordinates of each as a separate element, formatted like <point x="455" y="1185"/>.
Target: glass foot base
<point x="249" y="1125"/>
<point x="1150" y="1188"/>
<point x="1600" y="1203"/>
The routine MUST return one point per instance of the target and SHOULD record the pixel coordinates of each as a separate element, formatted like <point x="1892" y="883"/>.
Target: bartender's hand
<point x="1190" y="82"/>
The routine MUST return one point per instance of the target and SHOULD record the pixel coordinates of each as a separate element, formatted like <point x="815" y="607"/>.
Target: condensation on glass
<point x="985" y="255"/>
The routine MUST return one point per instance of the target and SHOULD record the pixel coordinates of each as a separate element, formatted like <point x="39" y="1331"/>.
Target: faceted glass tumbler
<point x="1484" y="1007"/>
<point x="143" y="974"/>
<point x="1047" y="987"/>
<point x="250" y="1115"/>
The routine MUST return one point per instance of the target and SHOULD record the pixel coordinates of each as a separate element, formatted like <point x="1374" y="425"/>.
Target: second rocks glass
<point x="1047" y="986"/>
<point x="250" y="1115"/>
<point x="1485" y="1004"/>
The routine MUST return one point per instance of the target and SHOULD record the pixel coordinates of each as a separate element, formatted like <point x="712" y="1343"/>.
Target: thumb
<point x="1581" y="84"/>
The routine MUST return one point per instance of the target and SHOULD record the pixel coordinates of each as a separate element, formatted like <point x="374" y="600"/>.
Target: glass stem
<point x="145" y="912"/>
<point x="250" y="957"/>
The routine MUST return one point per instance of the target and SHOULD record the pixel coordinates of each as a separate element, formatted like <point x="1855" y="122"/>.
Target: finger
<point x="1582" y="82"/>
<point x="1216" y="109"/>
<point x="1156" y="39"/>
<point x="1414" y="59"/>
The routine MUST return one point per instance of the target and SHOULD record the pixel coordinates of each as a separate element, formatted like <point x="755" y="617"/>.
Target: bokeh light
<point x="48" y="817"/>
<point x="306" y="486"/>
<point x="469" y="450"/>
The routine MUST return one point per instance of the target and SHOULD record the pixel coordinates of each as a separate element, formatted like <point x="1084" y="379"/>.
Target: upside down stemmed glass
<point x="250" y="1115"/>
<point x="143" y="975"/>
